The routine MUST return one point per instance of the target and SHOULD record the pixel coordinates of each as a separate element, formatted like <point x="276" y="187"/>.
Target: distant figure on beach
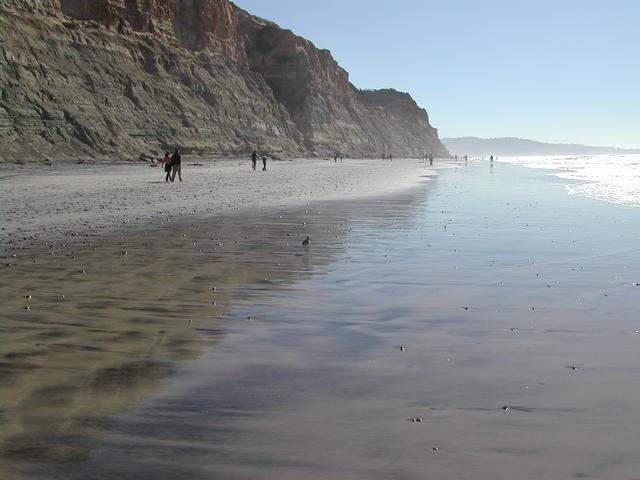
<point x="167" y="166"/>
<point x="465" y="159"/>
<point x="390" y="158"/>
<point x="176" y="161"/>
<point x="254" y="159"/>
<point x="491" y="158"/>
<point x="430" y="159"/>
<point x="335" y="158"/>
<point x="264" y="164"/>
<point x="384" y="156"/>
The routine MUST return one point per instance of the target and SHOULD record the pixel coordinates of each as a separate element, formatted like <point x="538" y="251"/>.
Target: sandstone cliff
<point x="98" y="79"/>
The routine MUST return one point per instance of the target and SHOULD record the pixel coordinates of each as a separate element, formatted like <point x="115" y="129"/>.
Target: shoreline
<point x="61" y="203"/>
<point x="232" y="332"/>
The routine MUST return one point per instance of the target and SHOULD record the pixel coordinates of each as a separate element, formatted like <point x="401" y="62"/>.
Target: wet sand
<point x="39" y="203"/>
<point x="510" y="334"/>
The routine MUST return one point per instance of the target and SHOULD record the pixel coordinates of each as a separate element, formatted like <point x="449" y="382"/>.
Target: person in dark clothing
<point x="254" y="159"/>
<point x="264" y="164"/>
<point x="167" y="166"/>
<point x="431" y="159"/>
<point x="176" y="162"/>
<point x="335" y="158"/>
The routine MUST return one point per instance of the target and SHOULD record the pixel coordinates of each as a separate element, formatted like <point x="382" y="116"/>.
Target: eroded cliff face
<point x="328" y="110"/>
<point x="113" y="79"/>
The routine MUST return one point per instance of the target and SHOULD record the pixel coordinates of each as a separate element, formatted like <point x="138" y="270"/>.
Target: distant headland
<point x="511" y="146"/>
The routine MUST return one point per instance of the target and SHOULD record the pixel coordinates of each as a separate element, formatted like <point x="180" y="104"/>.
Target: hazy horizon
<point x="551" y="72"/>
<point x="442" y="137"/>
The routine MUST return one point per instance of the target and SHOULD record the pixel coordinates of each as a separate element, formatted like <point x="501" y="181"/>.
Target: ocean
<point x="611" y="178"/>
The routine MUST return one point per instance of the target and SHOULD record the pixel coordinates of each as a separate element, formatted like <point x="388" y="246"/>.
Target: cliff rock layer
<point x="97" y="79"/>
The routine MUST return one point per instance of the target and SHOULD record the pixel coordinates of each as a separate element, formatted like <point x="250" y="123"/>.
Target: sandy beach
<point x="52" y="203"/>
<point x="483" y="321"/>
<point x="436" y="275"/>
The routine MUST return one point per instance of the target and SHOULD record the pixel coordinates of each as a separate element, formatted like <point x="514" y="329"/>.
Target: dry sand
<point x="54" y="202"/>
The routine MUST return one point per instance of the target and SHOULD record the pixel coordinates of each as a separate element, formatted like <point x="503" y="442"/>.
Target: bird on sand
<point x="306" y="242"/>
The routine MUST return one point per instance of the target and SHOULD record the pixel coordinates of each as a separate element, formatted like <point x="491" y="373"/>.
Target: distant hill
<point x="510" y="146"/>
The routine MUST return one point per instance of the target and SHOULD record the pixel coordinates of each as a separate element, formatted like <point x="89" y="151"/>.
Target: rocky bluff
<point x="98" y="79"/>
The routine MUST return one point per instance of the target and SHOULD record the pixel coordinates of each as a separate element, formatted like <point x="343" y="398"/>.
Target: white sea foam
<point x="612" y="178"/>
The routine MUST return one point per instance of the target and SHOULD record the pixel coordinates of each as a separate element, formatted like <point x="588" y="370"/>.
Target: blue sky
<point x="558" y="71"/>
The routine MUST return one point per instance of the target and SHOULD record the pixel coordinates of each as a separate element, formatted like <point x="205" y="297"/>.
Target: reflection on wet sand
<point x="510" y="335"/>
<point x="92" y="328"/>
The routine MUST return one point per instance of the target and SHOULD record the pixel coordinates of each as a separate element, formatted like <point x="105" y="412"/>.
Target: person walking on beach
<point x="166" y="161"/>
<point x="335" y="158"/>
<point x="431" y="159"/>
<point x="491" y="158"/>
<point x="390" y="158"/>
<point x="254" y="159"/>
<point x="176" y="162"/>
<point x="264" y="163"/>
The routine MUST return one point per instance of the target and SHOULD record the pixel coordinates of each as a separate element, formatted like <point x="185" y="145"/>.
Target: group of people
<point x="172" y="163"/>
<point x="172" y="166"/>
<point x="428" y="156"/>
<point x="254" y="160"/>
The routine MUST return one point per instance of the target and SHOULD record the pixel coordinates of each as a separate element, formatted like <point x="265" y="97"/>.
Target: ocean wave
<point x="610" y="178"/>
